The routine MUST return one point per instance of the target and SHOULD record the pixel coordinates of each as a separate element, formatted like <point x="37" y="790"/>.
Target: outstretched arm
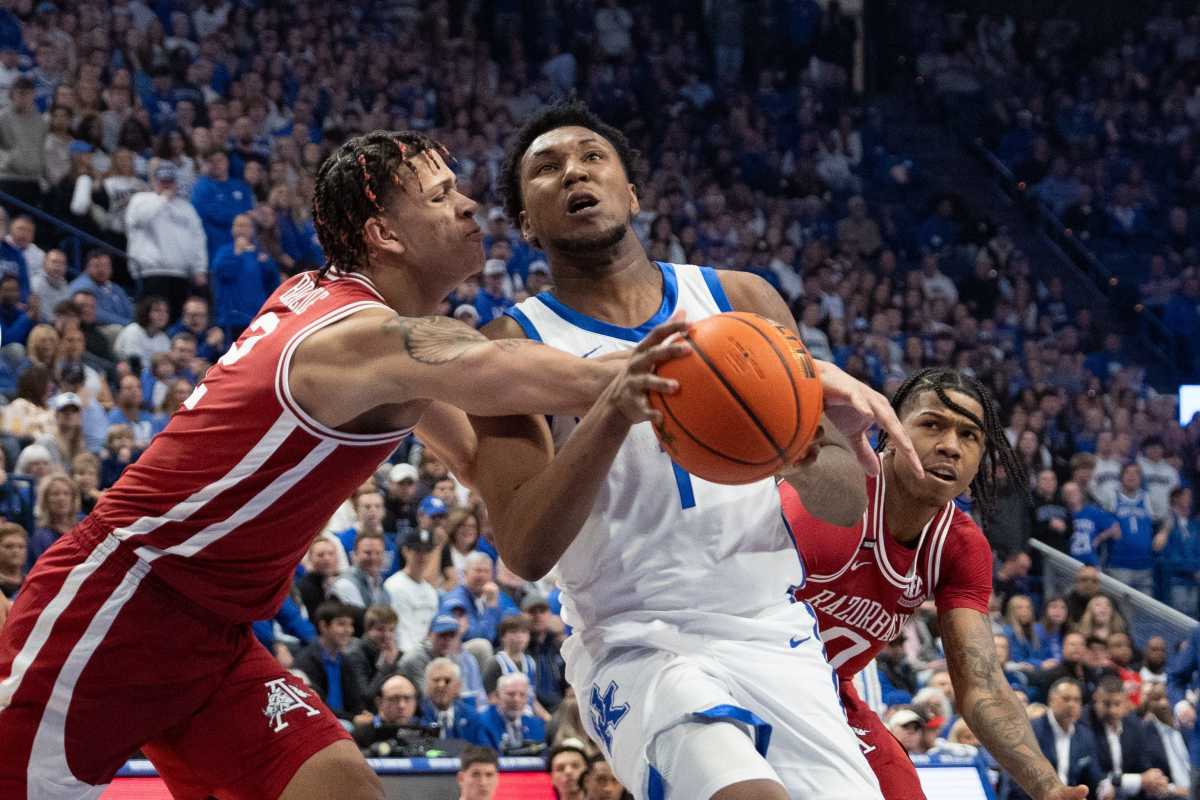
<point x="376" y="358"/>
<point x="991" y="709"/>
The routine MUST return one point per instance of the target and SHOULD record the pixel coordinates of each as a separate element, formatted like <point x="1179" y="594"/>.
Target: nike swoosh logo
<point x="796" y="641"/>
<point x="589" y="352"/>
<point x="858" y="564"/>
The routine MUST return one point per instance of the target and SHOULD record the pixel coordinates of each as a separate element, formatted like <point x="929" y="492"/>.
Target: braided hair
<point x="996" y="450"/>
<point x="356" y="182"/>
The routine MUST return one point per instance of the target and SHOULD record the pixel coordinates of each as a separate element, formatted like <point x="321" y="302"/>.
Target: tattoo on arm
<point x="989" y="704"/>
<point x="441" y="340"/>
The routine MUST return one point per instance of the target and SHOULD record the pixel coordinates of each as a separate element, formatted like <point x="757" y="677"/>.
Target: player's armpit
<point x="989" y="705"/>
<point x="830" y="482"/>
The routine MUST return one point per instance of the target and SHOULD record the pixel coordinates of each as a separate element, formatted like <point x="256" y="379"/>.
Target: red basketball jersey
<point x="864" y="585"/>
<point x="225" y="501"/>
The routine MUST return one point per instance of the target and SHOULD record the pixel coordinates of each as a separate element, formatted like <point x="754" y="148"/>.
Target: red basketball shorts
<point x="897" y="776"/>
<point x="100" y="658"/>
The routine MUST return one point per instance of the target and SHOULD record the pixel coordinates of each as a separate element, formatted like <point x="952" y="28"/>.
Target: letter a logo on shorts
<point x="283" y="698"/>
<point x="605" y="715"/>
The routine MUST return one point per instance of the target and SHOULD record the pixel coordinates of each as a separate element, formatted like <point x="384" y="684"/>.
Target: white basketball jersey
<point x="661" y="544"/>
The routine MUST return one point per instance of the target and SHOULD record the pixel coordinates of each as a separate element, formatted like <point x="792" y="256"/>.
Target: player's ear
<point x="377" y="235"/>
<point x="635" y="206"/>
<point x="527" y="229"/>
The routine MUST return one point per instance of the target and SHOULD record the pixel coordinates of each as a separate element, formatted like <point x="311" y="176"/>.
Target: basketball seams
<point x="781" y="453"/>
<point x="796" y="402"/>
<point x="666" y="407"/>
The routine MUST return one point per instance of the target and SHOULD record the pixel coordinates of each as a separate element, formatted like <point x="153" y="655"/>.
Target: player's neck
<point x="625" y="290"/>
<point x="407" y="291"/>
<point x="905" y="516"/>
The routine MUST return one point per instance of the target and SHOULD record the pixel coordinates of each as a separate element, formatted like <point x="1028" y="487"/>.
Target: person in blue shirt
<point x="491" y="300"/>
<point x="291" y="620"/>
<point x="15" y="324"/>
<point x="443" y="704"/>
<point x="210" y="339"/>
<point x="128" y="411"/>
<point x="480" y="599"/>
<point x="1092" y="526"/>
<point x="12" y="262"/>
<point x="113" y="306"/>
<point x="243" y="277"/>
<point x="219" y="199"/>
<point x="1130" y="556"/>
<point x="507" y="724"/>
<point x="370" y="510"/>
<point x="1028" y="643"/>
<point x="1177" y="552"/>
<point x="324" y="663"/>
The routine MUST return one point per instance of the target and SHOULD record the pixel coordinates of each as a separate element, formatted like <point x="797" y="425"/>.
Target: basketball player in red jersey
<point x="913" y="543"/>
<point x="133" y="631"/>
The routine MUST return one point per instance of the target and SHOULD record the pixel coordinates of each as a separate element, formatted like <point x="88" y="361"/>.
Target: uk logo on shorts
<point x="606" y="715"/>
<point x="282" y="699"/>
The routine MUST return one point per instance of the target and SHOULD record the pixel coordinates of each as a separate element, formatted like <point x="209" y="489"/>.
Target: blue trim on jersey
<point x="524" y="321"/>
<point x="581" y="320"/>
<point x="730" y="713"/>
<point x="796" y="547"/>
<point x="656" y="788"/>
<point x="715" y="288"/>
<point x="683" y="480"/>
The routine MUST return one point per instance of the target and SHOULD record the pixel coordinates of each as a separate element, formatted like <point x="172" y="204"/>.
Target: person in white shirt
<point x="1161" y="718"/>
<point x="933" y="281"/>
<point x="812" y="336"/>
<point x="167" y="247"/>
<point x="20" y="235"/>
<point x="414" y="598"/>
<point x="1107" y="474"/>
<point x="51" y="285"/>
<point x="1158" y="476"/>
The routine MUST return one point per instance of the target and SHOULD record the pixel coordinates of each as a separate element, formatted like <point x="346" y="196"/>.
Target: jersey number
<point x="857" y="644"/>
<point x="264" y="325"/>
<point x="261" y="327"/>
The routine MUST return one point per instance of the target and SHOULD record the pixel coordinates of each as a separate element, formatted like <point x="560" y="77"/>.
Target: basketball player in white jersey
<point x="684" y="648"/>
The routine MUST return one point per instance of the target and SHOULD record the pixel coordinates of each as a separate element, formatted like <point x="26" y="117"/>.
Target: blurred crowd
<point x="183" y="139"/>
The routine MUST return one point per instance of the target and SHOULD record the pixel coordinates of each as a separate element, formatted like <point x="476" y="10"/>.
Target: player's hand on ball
<point x="854" y="407"/>
<point x="627" y="392"/>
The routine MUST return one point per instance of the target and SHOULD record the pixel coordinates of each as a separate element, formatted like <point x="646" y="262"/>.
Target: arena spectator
<point x="73" y="378"/>
<point x="20" y="242"/>
<point x="1158" y="476"/>
<point x="194" y="320"/>
<point x="599" y="782"/>
<point x="97" y="337"/>
<point x="1091" y="526"/>
<point x="167" y="245"/>
<point x="58" y="505"/>
<point x="400" y="499"/>
<point x="1160" y="718"/>
<point x="362" y="586"/>
<point x="443" y="704"/>
<point x="316" y="585"/>
<point x="1069" y="746"/>
<point x="85" y="471"/>
<point x="511" y="656"/>
<point x="375" y="655"/>
<point x="507" y="724"/>
<point x="445" y="641"/>
<point x="1029" y="644"/>
<point x="16" y="319"/>
<point x="22" y="137"/>
<point x="493" y="298"/>
<point x="64" y="440"/>
<point x="462" y="537"/>
<point x="1177" y="554"/>
<point x="243" y="276"/>
<point x="566" y="764"/>
<point x="480" y="600"/>
<point x="50" y="286"/>
<point x="545" y="646"/>
<point x="1154" y="661"/>
<point x="397" y="704"/>
<point x="1128" y="752"/>
<point x="478" y="774"/>
<point x="414" y="598"/>
<point x="906" y="725"/>
<point x="219" y="199"/>
<point x="1055" y="624"/>
<point x="146" y="335"/>
<point x="113" y="306"/>
<point x="1131" y="555"/>
<point x="14" y="544"/>
<point x="325" y="665"/>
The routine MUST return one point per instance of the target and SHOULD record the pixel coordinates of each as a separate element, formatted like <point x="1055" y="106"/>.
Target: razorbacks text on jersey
<point x="677" y="544"/>
<point x="864" y="585"/>
<point x="225" y="501"/>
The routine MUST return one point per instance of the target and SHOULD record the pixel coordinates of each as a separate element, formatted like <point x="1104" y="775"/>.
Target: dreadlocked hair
<point x="565" y="113"/>
<point x="356" y="182"/>
<point x="996" y="451"/>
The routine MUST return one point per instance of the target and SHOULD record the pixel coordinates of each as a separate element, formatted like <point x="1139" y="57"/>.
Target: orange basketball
<point x="749" y="399"/>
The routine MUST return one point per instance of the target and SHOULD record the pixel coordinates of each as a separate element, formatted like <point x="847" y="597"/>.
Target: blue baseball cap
<point x="433" y="507"/>
<point x="80" y="146"/>
<point x="444" y="623"/>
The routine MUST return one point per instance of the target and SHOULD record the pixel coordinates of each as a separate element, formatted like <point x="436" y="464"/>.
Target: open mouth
<point x="581" y="202"/>
<point x="943" y="472"/>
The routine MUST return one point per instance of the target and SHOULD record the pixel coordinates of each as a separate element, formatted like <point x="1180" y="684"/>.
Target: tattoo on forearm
<point x="433" y="340"/>
<point x="991" y="709"/>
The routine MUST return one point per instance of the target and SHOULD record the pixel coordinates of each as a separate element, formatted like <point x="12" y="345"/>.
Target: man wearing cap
<point x="22" y="143"/>
<point x="68" y="431"/>
<point x="430" y="511"/>
<point x="400" y="500"/>
<point x="414" y="599"/>
<point x="167" y="245"/>
<point x="545" y="648"/>
<point x="906" y="724"/>
<point x="492" y="299"/>
<point x="538" y="278"/>
<point x="445" y="641"/>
